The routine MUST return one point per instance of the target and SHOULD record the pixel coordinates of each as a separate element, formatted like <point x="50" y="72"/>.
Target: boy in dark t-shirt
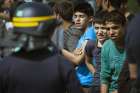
<point x="93" y="51"/>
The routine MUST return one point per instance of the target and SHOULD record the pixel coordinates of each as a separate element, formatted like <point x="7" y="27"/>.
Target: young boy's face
<point x="80" y="20"/>
<point x="101" y="32"/>
<point x="115" y="31"/>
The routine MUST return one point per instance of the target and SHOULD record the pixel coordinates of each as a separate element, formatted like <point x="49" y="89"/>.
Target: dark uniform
<point x="36" y="67"/>
<point x="37" y="72"/>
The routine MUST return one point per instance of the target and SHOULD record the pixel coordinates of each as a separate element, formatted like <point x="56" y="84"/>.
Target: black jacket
<point x="37" y="72"/>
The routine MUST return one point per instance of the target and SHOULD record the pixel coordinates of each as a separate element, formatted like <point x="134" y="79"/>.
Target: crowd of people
<point x="69" y="47"/>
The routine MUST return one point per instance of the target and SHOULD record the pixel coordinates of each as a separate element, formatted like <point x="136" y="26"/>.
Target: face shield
<point x="28" y="42"/>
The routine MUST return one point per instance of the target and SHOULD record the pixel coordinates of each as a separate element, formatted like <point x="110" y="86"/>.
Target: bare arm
<point x="104" y="88"/>
<point x="133" y="71"/>
<point x="90" y="66"/>
<point x="75" y="59"/>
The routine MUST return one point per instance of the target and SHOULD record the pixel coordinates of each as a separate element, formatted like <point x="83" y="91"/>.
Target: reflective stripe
<point x="29" y="24"/>
<point x="32" y="19"/>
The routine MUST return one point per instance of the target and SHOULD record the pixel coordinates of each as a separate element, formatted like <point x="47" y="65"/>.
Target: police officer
<point x="36" y="66"/>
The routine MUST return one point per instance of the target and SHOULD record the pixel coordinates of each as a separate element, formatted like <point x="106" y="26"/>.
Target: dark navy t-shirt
<point x="93" y="51"/>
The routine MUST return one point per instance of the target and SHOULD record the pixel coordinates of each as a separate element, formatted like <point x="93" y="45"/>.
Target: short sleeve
<point x="90" y="46"/>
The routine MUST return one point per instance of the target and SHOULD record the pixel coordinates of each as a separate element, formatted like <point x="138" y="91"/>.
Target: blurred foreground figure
<point x="36" y="66"/>
<point x="133" y="52"/>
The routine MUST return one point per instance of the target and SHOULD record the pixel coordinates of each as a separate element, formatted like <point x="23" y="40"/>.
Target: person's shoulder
<point x="133" y="27"/>
<point x="9" y="58"/>
<point x="7" y="62"/>
<point x="90" y="28"/>
<point x="90" y="46"/>
<point x="64" y="63"/>
<point x="134" y="23"/>
<point x="59" y="59"/>
<point x="107" y="42"/>
<point x="90" y="43"/>
<point x="137" y="15"/>
<point x="73" y="30"/>
<point x="106" y="48"/>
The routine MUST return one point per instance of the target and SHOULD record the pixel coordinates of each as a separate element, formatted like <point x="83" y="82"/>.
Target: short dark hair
<point x="84" y="7"/>
<point x="100" y="17"/>
<point x="64" y="9"/>
<point x="116" y="17"/>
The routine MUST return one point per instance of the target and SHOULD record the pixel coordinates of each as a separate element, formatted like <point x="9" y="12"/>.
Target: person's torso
<point x="37" y="75"/>
<point x="83" y="73"/>
<point x="97" y="59"/>
<point x="116" y="59"/>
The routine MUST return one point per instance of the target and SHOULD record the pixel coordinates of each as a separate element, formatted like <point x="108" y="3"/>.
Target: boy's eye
<point x="115" y="27"/>
<point x="104" y="28"/>
<point x="96" y="27"/>
<point x="81" y="16"/>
